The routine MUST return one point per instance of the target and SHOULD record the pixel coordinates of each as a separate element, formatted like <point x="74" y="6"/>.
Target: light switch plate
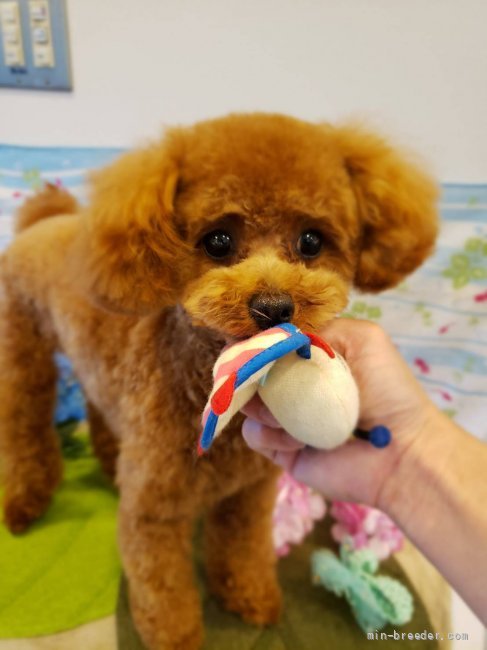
<point x="47" y="64"/>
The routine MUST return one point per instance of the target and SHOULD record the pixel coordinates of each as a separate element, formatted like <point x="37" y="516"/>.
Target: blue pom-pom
<point x="70" y="400"/>
<point x="380" y="436"/>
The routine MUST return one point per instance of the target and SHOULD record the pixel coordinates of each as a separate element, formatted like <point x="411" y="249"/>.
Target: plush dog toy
<point x="304" y="383"/>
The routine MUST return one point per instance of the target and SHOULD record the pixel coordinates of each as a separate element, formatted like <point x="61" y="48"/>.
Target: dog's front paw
<point x="179" y="627"/>
<point x="27" y="499"/>
<point x="20" y="512"/>
<point x="257" y="599"/>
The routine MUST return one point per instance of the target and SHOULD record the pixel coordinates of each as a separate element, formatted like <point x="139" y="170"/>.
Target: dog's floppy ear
<point x="396" y="202"/>
<point x="128" y="255"/>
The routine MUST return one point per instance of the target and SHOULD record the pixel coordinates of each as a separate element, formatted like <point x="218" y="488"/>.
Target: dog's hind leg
<point x="105" y="443"/>
<point x="30" y="456"/>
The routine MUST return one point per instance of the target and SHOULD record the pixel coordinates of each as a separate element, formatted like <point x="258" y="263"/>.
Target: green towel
<point x="65" y="570"/>
<point x="313" y="618"/>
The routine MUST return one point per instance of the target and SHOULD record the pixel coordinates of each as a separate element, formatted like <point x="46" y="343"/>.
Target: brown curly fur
<point x="125" y="289"/>
<point x="52" y="200"/>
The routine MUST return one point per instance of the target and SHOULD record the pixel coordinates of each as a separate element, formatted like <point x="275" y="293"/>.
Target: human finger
<point x="257" y="410"/>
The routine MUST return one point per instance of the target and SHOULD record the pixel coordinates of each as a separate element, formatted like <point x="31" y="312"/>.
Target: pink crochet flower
<point x="297" y="508"/>
<point x="368" y="528"/>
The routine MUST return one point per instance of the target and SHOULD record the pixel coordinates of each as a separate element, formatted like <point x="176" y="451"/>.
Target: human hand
<point x="389" y="395"/>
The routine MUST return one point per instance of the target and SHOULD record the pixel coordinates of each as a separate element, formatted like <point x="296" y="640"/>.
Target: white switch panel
<point x="13" y="47"/>
<point x="40" y="29"/>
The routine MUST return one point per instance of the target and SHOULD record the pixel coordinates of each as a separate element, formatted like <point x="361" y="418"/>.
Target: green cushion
<point x="65" y="570"/>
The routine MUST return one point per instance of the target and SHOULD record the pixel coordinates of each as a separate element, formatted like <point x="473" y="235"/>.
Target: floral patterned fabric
<point x="438" y="317"/>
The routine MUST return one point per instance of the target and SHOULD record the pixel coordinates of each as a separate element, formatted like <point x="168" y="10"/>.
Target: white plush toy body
<point x="316" y="400"/>
<point x="307" y="387"/>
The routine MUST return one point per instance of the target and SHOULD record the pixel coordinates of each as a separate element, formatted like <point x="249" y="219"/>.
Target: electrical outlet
<point x="34" y="45"/>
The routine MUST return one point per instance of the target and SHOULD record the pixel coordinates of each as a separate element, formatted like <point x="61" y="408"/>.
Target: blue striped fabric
<point x="438" y="317"/>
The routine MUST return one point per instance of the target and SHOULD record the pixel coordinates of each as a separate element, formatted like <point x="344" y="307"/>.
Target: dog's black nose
<point x="268" y="310"/>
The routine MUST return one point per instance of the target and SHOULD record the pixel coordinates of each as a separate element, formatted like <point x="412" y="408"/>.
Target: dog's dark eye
<point x="218" y="244"/>
<point x="310" y="243"/>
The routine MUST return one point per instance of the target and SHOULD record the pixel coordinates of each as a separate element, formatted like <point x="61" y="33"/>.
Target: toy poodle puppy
<point x="212" y="234"/>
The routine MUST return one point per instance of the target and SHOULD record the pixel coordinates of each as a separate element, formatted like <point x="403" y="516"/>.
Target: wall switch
<point x="10" y="12"/>
<point x="40" y="30"/>
<point x="11" y="30"/>
<point x="14" y="57"/>
<point x="39" y="11"/>
<point x="11" y="35"/>
<point x="34" y="47"/>
<point x="40" y="34"/>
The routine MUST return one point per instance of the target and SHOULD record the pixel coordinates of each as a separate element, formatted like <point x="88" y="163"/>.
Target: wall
<point x="415" y="68"/>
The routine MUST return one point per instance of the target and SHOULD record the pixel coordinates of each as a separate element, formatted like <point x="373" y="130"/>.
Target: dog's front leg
<point x="155" y="540"/>
<point x="241" y="560"/>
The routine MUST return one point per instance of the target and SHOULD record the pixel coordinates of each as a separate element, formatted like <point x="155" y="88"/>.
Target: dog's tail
<point x="48" y="202"/>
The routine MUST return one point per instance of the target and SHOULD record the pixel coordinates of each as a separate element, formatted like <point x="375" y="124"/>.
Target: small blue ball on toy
<point x="379" y="436"/>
